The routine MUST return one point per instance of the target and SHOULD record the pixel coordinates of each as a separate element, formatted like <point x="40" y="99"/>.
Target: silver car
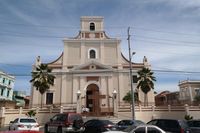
<point x="142" y="129"/>
<point x="24" y="123"/>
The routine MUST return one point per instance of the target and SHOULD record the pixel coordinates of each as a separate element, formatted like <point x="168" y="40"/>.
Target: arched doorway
<point x="92" y="99"/>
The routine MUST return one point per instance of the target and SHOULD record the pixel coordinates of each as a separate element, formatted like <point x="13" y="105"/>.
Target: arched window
<point x="92" y="26"/>
<point x="92" y="54"/>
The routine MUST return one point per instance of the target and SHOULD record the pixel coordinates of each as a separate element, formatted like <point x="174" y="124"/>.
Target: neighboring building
<point x="167" y="98"/>
<point x="90" y="71"/>
<point x="6" y="86"/>
<point x="19" y="98"/>
<point x="189" y="89"/>
<point x="27" y="101"/>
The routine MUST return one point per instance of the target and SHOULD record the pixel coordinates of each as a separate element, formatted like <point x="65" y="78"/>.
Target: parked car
<point x="98" y="126"/>
<point x="142" y="129"/>
<point x="123" y="124"/>
<point x="65" y="122"/>
<point x="194" y="125"/>
<point x="24" y="123"/>
<point x="171" y="125"/>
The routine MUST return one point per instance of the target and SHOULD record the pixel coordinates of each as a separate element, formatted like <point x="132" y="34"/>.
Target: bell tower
<point x="92" y="27"/>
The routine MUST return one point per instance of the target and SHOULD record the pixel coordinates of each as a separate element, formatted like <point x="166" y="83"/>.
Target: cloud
<point x="18" y="13"/>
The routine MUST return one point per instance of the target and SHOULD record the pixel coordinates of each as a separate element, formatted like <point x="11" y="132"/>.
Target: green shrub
<point x="31" y="113"/>
<point x="188" y="117"/>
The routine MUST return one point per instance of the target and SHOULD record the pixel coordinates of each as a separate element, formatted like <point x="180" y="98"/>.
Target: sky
<point x="165" y="31"/>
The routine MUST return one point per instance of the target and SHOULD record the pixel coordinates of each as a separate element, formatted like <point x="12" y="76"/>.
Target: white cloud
<point x="17" y="12"/>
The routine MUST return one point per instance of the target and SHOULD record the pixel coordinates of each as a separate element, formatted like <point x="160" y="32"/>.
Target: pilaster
<point x="83" y="53"/>
<point x="102" y="52"/>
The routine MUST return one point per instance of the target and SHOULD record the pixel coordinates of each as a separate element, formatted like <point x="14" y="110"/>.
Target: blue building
<point x="6" y="86"/>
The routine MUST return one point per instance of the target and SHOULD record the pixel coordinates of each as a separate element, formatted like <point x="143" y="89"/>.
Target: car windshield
<point x="74" y="117"/>
<point x="25" y="120"/>
<point x="138" y="122"/>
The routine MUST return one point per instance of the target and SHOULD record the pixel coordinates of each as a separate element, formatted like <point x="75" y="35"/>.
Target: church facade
<point x="91" y="72"/>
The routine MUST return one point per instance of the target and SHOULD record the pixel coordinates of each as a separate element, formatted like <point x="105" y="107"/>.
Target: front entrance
<point x="92" y="100"/>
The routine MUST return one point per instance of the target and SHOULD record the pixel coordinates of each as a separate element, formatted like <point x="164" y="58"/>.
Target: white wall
<point x="142" y="113"/>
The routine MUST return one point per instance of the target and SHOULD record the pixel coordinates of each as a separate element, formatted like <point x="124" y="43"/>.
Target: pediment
<point x="93" y="66"/>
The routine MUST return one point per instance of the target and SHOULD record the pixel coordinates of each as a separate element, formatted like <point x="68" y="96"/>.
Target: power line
<point x="165" y="32"/>
<point x="167" y="43"/>
<point x="109" y="27"/>
<point x="168" y="40"/>
<point x="41" y="26"/>
<point x="176" y="71"/>
<point x="18" y="65"/>
<point x="154" y="70"/>
<point x="32" y="35"/>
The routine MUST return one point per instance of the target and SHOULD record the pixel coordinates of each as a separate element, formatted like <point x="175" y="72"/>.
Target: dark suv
<point x="194" y="126"/>
<point x="171" y="125"/>
<point x="65" y="122"/>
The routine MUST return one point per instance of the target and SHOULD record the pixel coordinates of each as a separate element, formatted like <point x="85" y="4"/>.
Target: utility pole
<point x="131" y="77"/>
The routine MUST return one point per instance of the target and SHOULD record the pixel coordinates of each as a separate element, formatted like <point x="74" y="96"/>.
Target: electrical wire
<point x="153" y="70"/>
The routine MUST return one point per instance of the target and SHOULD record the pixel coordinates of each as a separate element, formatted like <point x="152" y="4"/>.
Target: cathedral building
<point x="91" y="72"/>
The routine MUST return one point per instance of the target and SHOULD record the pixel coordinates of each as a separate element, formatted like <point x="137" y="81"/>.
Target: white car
<point x="141" y="129"/>
<point x="24" y="123"/>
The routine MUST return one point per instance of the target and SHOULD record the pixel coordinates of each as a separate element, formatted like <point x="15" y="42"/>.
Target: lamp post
<point x="78" y="93"/>
<point x="113" y="100"/>
<point x="131" y="78"/>
<point x="114" y="94"/>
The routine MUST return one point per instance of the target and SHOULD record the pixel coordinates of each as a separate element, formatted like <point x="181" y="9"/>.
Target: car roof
<point x="146" y="125"/>
<point x="25" y="118"/>
<point x="69" y="113"/>
<point x="165" y="119"/>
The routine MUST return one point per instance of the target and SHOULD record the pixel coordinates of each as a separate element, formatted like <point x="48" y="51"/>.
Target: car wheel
<point x="46" y="129"/>
<point x="59" y="130"/>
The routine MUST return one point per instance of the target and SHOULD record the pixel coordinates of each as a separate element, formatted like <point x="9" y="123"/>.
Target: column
<point x="190" y="92"/>
<point x="120" y="86"/>
<point x="83" y="53"/>
<point x="109" y="92"/>
<point x="76" y="89"/>
<point x="83" y="92"/>
<point x="101" y="52"/>
<point x="103" y="90"/>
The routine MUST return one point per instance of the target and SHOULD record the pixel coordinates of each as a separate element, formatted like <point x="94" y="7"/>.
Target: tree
<point x="197" y="98"/>
<point x="145" y="82"/>
<point x="42" y="79"/>
<point x="128" y="97"/>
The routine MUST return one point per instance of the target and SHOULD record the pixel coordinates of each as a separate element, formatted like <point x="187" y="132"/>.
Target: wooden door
<point x="92" y="100"/>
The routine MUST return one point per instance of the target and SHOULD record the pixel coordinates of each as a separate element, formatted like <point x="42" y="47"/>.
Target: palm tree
<point x="42" y="79"/>
<point x="145" y="82"/>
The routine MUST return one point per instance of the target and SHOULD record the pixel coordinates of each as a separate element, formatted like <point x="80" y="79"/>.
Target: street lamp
<point x="114" y="100"/>
<point x="131" y="78"/>
<point x="114" y="94"/>
<point x="78" y="94"/>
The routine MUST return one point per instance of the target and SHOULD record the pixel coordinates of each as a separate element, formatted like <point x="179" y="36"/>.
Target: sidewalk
<point x="4" y="128"/>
